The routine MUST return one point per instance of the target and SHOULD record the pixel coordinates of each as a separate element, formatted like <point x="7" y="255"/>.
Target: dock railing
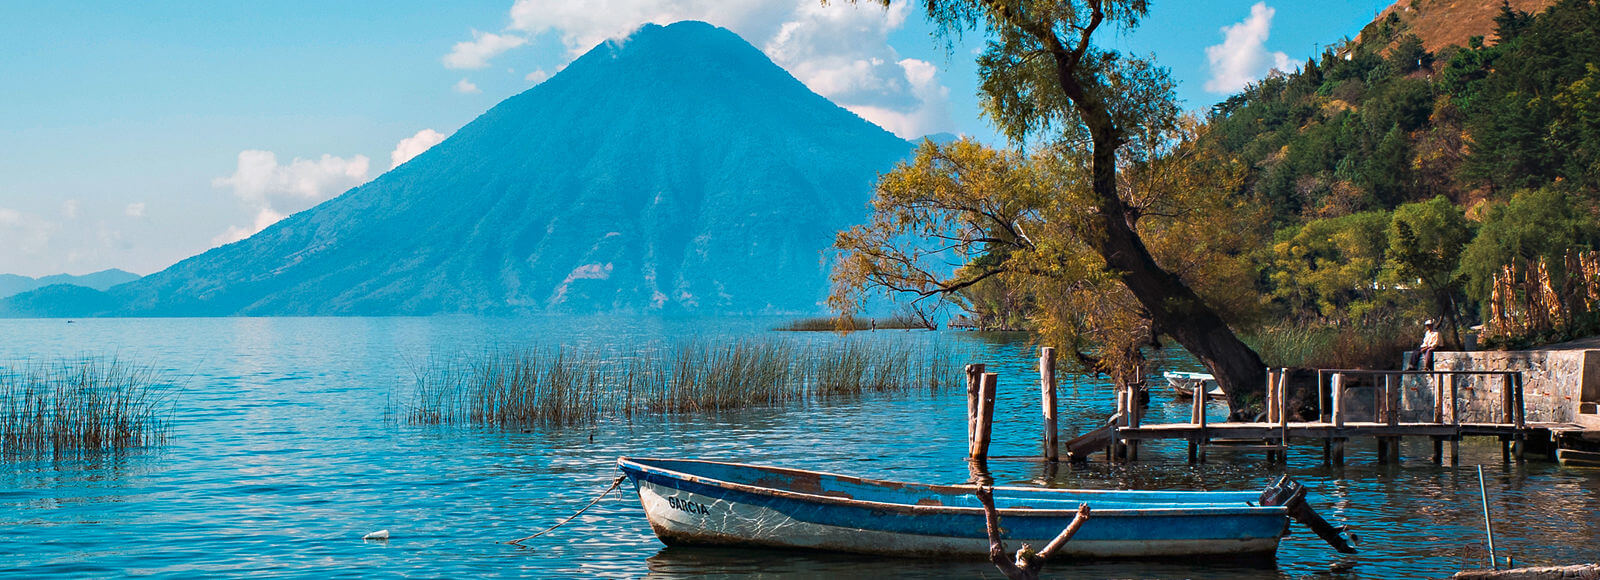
<point x="1332" y="385"/>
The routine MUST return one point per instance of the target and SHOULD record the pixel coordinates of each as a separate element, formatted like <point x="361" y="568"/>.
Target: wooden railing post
<point x="1391" y="395"/>
<point x="1455" y="419"/>
<point x="1047" y="391"/>
<point x="1507" y="399"/>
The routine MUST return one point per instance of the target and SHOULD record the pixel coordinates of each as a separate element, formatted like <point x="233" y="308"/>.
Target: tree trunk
<point x="1177" y="311"/>
<point x="1173" y="307"/>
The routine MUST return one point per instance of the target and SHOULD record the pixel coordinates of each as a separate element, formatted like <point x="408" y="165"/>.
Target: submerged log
<point x="1577" y="571"/>
<point x="1028" y="563"/>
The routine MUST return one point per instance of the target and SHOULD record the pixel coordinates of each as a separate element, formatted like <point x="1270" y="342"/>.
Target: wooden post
<point x="1389" y="446"/>
<point x="974" y="378"/>
<point x="1047" y="391"/>
<point x="1338" y="400"/>
<point x="1391" y="393"/>
<point x="1455" y="397"/>
<point x="1506" y="399"/>
<point x="1283" y="415"/>
<point x="1520" y="420"/>
<point x="1338" y="419"/>
<point x="1271" y="404"/>
<point x="1272" y="396"/>
<point x="1135" y="418"/>
<point x="1521" y="405"/>
<point x="1455" y="420"/>
<point x="1200" y="420"/>
<point x="1438" y="398"/>
<point x="980" y="439"/>
<point x="1508" y="416"/>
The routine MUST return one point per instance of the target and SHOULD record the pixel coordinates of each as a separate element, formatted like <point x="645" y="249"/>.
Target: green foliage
<point x="1544" y="222"/>
<point x="1425" y="242"/>
<point x="1330" y="266"/>
<point x="1529" y="99"/>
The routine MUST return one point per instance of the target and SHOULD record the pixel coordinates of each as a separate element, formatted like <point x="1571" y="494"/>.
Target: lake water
<point x="281" y="458"/>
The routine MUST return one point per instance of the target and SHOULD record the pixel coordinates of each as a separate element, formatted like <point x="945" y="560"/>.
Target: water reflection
<point x="280" y="459"/>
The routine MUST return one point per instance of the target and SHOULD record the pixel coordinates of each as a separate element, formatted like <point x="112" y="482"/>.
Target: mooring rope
<point x="614" y="483"/>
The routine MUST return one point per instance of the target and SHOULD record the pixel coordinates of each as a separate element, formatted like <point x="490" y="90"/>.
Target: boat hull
<point x="698" y="511"/>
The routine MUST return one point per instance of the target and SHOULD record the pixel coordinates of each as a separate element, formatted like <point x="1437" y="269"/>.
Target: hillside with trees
<point x="1322" y="213"/>
<point x="1400" y="180"/>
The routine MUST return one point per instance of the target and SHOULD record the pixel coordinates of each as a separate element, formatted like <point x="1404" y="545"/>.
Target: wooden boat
<point x="1185" y="384"/>
<point x="691" y="502"/>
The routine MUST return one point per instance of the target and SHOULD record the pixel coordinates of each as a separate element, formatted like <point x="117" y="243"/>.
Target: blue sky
<point x="133" y="135"/>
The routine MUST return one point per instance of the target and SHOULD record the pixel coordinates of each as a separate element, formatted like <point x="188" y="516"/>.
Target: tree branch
<point x="1027" y="564"/>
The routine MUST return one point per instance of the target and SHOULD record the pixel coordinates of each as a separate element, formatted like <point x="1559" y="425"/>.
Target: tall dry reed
<point x="77" y="407"/>
<point x="553" y="386"/>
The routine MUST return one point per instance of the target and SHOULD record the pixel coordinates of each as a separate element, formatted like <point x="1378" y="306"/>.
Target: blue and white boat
<point x="692" y="502"/>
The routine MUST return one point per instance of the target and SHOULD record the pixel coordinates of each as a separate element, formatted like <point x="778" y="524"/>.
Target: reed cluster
<point x="902" y="321"/>
<point x="72" y="408"/>
<point x="1364" y="346"/>
<point x="554" y="386"/>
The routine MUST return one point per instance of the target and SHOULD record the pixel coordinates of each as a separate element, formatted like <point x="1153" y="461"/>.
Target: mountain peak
<point x="676" y="170"/>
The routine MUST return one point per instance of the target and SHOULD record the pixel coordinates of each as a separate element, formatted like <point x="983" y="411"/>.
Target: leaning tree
<point x="1101" y="122"/>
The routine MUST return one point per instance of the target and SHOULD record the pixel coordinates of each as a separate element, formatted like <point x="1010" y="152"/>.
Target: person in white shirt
<point x="1423" y="358"/>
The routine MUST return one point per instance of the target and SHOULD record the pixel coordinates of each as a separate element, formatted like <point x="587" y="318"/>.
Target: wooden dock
<point x="1497" y="409"/>
<point x="1442" y="423"/>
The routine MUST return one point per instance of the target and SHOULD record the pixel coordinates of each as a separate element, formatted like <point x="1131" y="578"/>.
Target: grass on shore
<point x="1375" y="346"/>
<point x="515" y="387"/>
<point x="77" y="407"/>
<point x="904" y="321"/>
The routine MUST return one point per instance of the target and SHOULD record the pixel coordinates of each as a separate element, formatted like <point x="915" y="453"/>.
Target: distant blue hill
<point x="12" y="284"/>
<point x="678" y="170"/>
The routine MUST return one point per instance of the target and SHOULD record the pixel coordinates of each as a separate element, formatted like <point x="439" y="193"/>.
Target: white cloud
<point x="272" y="191"/>
<point x="840" y="50"/>
<point x="1242" y="57"/>
<point x="537" y="76"/>
<point x="930" y="115"/>
<point x="583" y="25"/>
<point x="475" y="53"/>
<point x="413" y="146"/>
<point x="466" y="87"/>
<point x="134" y="210"/>
<point x="69" y="209"/>
<point x="25" y="234"/>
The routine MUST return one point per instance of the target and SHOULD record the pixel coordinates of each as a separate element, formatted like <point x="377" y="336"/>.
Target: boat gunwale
<point x="1200" y="509"/>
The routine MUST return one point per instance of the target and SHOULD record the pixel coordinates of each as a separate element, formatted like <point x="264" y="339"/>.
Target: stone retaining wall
<point x="1559" y="386"/>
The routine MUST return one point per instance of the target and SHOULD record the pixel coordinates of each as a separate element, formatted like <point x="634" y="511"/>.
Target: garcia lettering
<point x="688" y="506"/>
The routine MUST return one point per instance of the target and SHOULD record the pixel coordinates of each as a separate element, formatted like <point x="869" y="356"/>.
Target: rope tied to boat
<point x="614" y="483"/>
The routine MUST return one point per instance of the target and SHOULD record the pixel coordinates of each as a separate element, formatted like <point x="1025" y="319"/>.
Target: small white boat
<point x="1185" y="384"/>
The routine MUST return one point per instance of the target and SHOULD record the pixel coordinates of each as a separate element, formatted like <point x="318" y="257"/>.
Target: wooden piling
<point x="1283" y="414"/>
<point x="1338" y="400"/>
<point x="1272" y="396"/>
<point x="1336" y="445"/>
<point x="1520" y="418"/>
<point x="1201" y="439"/>
<point x="1047" y="392"/>
<point x="986" y="395"/>
<point x="974" y="378"/>
<point x="1391" y="405"/>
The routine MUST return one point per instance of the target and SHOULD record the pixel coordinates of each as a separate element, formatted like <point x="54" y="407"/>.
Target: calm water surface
<point x="280" y="459"/>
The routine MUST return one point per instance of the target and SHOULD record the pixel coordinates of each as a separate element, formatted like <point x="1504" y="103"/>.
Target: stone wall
<point x="1557" y="386"/>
